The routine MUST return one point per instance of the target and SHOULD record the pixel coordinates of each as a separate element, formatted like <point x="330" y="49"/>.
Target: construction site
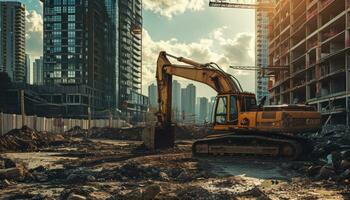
<point x="289" y="140"/>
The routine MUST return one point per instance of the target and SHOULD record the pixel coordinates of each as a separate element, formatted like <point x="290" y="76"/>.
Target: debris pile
<point x="198" y="192"/>
<point x="331" y="155"/>
<point x="26" y="139"/>
<point x="11" y="172"/>
<point x="191" y="132"/>
<point x="132" y="170"/>
<point x="77" y="131"/>
<point x="134" y="134"/>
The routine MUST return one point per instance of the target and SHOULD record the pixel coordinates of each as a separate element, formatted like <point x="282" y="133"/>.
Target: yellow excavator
<point x="240" y="125"/>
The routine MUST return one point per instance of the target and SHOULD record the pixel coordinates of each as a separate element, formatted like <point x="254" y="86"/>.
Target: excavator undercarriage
<point x="254" y="144"/>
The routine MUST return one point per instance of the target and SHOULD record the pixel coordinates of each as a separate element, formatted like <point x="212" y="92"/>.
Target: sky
<point x="187" y="28"/>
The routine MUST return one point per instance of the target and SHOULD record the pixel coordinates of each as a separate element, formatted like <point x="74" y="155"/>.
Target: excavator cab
<point x="228" y="108"/>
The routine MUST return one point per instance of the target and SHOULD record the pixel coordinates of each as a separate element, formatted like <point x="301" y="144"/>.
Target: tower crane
<point x="244" y="4"/>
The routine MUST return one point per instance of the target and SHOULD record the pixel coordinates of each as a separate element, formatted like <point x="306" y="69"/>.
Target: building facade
<point x="75" y="50"/>
<point x="153" y="96"/>
<point x="312" y="38"/>
<point x="188" y="104"/>
<point x="12" y="40"/>
<point x="203" y="110"/>
<point x="38" y="74"/>
<point x="97" y="44"/>
<point x="129" y="51"/>
<point x="28" y="69"/>
<point x="176" y="100"/>
<point x="262" y="49"/>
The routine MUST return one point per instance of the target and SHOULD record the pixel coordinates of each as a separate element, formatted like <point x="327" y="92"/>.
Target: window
<point x="71" y="49"/>
<point x="71" y="26"/>
<point x="233" y="110"/>
<point x="248" y="104"/>
<point x="221" y="110"/>
<point x="71" y="18"/>
<point x="57" y="2"/>
<point x="71" y="74"/>
<point x="57" y="74"/>
<point x="71" y="2"/>
<point x="57" y="10"/>
<point x="56" y="18"/>
<point x="71" y="34"/>
<point x="71" y="9"/>
<point x="57" y="26"/>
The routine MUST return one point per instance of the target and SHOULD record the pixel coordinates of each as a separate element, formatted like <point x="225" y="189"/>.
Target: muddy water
<point x="248" y="168"/>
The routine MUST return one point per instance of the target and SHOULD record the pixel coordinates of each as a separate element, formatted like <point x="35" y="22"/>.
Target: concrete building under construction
<point x="310" y="38"/>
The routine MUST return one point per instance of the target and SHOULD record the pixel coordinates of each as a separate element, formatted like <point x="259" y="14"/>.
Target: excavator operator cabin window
<point x="233" y="110"/>
<point x="221" y="110"/>
<point x="248" y="104"/>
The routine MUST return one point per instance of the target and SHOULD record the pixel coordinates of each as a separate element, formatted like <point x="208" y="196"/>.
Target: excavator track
<point x="271" y="145"/>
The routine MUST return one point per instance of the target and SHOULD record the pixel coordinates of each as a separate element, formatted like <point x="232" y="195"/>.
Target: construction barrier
<point x="54" y="125"/>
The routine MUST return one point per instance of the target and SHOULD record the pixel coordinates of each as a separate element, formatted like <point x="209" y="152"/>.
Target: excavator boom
<point x="209" y="74"/>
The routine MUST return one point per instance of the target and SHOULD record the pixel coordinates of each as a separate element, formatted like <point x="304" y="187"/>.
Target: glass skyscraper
<point x="12" y="40"/>
<point x="97" y="44"/>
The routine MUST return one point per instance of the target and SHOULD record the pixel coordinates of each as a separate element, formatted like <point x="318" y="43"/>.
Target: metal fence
<point x="54" y="125"/>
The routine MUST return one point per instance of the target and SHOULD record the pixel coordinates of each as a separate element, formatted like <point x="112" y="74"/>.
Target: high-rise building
<point x="312" y="39"/>
<point x="191" y="92"/>
<point x="188" y="102"/>
<point x="76" y="38"/>
<point x="203" y="110"/>
<point x="262" y="49"/>
<point x="176" y="100"/>
<point x="183" y="103"/>
<point x="211" y="108"/>
<point x="38" y="74"/>
<point x="27" y="69"/>
<point x="130" y="51"/>
<point x="153" y="96"/>
<point x="12" y="40"/>
<point x="96" y="44"/>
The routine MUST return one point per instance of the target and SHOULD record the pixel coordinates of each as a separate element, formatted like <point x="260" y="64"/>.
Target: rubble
<point x="151" y="192"/>
<point x="198" y="192"/>
<point x="133" y="134"/>
<point x="112" y="169"/>
<point x="77" y="193"/>
<point x="254" y="193"/>
<point x="330" y="157"/>
<point x="17" y="173"/>
<point x="191" y="132"/>
<point x="26" y="139"/>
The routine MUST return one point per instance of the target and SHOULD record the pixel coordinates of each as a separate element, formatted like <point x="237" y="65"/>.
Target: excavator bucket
<point x="159" y="137"/>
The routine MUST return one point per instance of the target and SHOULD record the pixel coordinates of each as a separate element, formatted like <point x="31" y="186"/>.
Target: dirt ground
<point x="115" y="169"/>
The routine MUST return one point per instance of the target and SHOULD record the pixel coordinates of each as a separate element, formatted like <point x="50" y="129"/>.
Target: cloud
<point x="217" y="47"/>
<point x="169" y="8"/>
<point x="34" y="34"/>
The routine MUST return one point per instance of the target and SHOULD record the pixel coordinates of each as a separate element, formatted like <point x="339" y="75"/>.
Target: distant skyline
<point x="188" y="28"/>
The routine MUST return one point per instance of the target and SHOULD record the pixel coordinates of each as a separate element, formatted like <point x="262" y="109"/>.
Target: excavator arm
<point x="209" y="74"/>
